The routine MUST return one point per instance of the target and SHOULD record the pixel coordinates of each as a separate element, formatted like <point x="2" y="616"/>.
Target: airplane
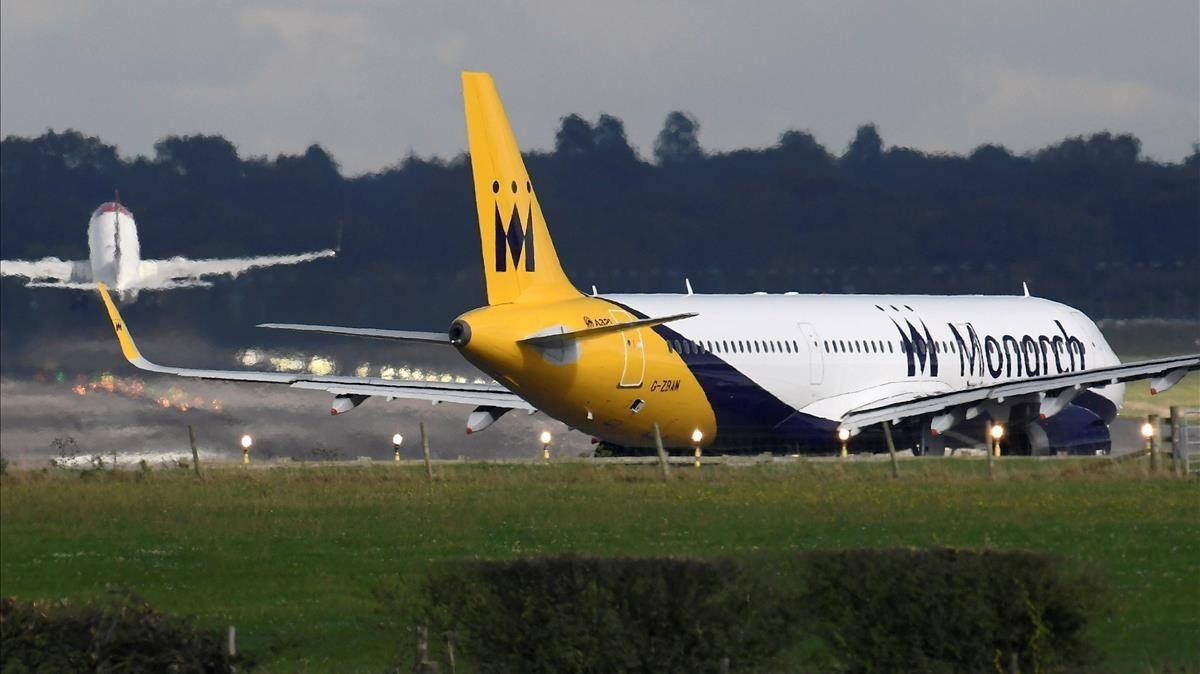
<point x="735" y="373"/>
<point x="114" y="259"/>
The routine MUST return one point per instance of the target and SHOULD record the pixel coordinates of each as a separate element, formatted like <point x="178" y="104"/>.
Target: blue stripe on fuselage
<point x="748" y="416"/>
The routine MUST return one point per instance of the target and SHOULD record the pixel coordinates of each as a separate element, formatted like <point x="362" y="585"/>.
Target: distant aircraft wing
<point x="50" y="272"/>
<point x="1052" y="392"/>
<point x="180" y="272"/>
<point x="493" y="395"/>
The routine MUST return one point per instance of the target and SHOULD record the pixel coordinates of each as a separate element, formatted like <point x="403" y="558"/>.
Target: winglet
<point x="128" y="348"/>
<point x="1025" y="288"/>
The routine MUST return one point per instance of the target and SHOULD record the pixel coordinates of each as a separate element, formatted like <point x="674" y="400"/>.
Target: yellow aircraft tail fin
<point x="519" y="261"/>
<point x="128" y="348"/>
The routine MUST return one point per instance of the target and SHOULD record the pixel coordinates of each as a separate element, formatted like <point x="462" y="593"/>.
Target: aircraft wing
<point x="179" y="270"/>
<point x="493" y="395"/>
<point x="49" y="272"/>
<point x="374" y="333"/>
<point x="1052" y="392"/>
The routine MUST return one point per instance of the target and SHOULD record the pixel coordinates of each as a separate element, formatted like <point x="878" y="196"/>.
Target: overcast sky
<point x="373" y="82"/>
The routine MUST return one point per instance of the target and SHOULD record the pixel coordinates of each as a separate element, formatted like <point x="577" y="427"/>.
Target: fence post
<point x="425" y="450"/>
<point x="887" y="433"/>
<point x="195" y="452"/>
<point x="662" y="453"/>
<point x="1177" y="440"/>
<point x="424" y="664"/>
<point x="990" y="453"/>
<point x="450" y="651"/>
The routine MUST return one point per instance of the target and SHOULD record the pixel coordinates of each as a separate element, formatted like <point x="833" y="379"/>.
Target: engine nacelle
<point x="483" y="416"/>
<point x="345" y="402"/>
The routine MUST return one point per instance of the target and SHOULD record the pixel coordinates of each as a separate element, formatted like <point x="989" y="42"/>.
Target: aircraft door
<point x="635" y="352"/>
<point x="816" y="361"/>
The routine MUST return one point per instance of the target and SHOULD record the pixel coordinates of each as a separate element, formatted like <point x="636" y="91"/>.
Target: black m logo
<point x="514" y="239"/>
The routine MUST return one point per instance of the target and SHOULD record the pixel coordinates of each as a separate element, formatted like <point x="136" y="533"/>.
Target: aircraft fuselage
<point x="778" y="370"/>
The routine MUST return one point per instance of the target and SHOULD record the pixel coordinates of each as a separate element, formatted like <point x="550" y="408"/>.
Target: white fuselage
<point x="113" y="249"/>
<point x="825" y="355"/>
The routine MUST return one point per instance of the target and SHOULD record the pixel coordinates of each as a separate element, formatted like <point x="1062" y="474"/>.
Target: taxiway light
<point x="843" y="434"/>
<point x="1147" y="430"/>
<point x="545" y="437"/>
<point x="997" y="431"/>
<point x="697" y="436"/>
<point x="397" y="439"/>
<point x="247" y="441"/>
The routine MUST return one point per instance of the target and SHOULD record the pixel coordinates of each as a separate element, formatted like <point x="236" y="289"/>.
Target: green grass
<point x="289" y="555"/>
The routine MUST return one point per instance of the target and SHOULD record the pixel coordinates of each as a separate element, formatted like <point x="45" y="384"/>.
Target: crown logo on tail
<point x="514" y="239"/>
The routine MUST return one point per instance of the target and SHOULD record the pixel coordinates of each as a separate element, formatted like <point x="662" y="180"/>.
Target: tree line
<point x="1088" y="221"/>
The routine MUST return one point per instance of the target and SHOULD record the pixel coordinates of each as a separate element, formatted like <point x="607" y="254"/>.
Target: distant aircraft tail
<point x="519" y="261"/>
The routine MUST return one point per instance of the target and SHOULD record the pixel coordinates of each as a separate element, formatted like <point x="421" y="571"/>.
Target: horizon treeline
<point x="1087" y="221"/>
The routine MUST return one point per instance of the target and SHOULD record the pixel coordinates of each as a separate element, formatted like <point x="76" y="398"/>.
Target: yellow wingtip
<point x="128" y="348"/>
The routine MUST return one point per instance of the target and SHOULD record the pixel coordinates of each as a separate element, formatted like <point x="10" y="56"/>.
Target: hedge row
<point x="893" y="610"/>
<point x="119" y="633"/>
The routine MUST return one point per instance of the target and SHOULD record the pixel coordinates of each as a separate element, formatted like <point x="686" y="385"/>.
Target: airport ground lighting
<point x="997" y="432"/>
<point x="545" y="439"/>
<point x="397" y="439"/>
<point x="247" y="441"/>
<point x="1147" y="430"/>
<point x="697" y="437"/>
<point x="844" y="436"/>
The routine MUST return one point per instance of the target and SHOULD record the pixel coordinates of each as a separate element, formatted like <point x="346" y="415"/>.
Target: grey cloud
<point x="374" y="81"/>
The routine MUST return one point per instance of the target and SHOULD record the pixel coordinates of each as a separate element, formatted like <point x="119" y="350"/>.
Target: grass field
<point x="290" y="555"/>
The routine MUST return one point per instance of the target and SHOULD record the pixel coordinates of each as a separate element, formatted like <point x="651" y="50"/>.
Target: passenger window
<point x="795" y="346"/>
<point x="890" y="347"/>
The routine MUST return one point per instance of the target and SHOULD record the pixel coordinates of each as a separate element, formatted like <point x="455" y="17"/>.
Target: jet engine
<point x="345" y="402"/>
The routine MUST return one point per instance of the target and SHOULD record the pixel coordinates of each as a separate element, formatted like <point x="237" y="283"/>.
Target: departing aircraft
<point x="114" y="259"/>
<point x="732" y="373"/>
